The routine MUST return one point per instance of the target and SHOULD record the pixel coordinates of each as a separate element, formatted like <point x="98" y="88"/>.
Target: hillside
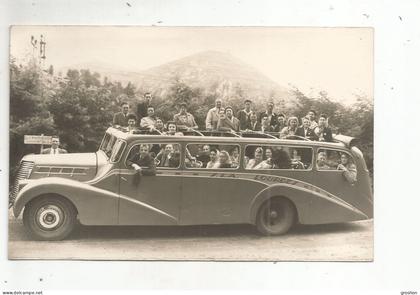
<point x="215" y="72"/>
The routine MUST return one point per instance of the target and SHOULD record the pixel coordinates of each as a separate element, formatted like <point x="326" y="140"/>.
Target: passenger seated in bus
<point x="204" y="155"/>
<point x="234" y="157"/>
<point x="213" y="159"/>
<point x="321" y="161"/>
<point x="268" y="160"/>
<point x="291" y="128"/>
<point x="224" y="160"/>
<point x="281" y="159"/>
<point x="348" y="168"/>
<point x="142" y="162"/>
<point x="258" y="158"/>
<point x="169" y="157"/>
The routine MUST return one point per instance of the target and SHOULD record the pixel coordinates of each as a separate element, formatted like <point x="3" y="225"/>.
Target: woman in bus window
<point x="258" y="158"/>
<point x="224" y="160"/>
<point x="268" y="162"/>
<point x="291" y="128"/>
<point x="213" y="159"/>
<point x="348" y="168"/>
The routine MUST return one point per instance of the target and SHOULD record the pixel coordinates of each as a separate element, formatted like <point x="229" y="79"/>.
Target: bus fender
<point x="94" y="205"/>
<point x="312" y="207"/>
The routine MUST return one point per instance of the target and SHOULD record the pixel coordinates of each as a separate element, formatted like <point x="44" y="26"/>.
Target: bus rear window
<point x="259" y="157"/>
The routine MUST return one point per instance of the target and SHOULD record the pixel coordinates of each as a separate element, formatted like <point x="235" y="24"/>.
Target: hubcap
<point x="274" y="216"/>
<point x="49" y="217"/>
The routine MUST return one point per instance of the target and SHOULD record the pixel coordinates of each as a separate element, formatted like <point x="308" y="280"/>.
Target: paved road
<point x="338" y="242"/>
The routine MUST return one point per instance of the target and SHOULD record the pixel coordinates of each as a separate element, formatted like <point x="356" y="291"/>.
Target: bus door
<point x="151" y="199"/>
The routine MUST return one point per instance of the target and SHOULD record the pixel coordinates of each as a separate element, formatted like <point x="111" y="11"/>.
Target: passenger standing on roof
<point x="243" y="115"/>
<point x="183" y="119"/>
<point x="143" y="106"/>
<point x="253" y="124"/>
<point x="171" y="128"/>
<point x="159" y="126"/>
<point x="323" y="131"/>
<point x="132" y="123"/>
<point x="265" y="124"/>
<point x="305" y="130"/>
<point x="272" y="117"/>
<point x="148" y="122"/>
<point x="121" y="118"/>
<point x="213" y="115"/>
<point x="290" y="129"/>
<point x="312" y="117"/>
<point x="227" y="122"/>
<point x="281" y="123"/>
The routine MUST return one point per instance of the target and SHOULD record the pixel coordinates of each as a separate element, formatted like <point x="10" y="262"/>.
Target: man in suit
<point x="243" y="115"/>
<point x="272" y="117"/>
<point x="265" y="124"/>
<point x="143" y="163"/>
<point x="253" y="124"/>
<point x="227" y="122"/>
<point x="322" y="130"/>
<point x="169" y="157"/>
<point x="54" y="149"/>
<point x="305" y="130"/>
<point x="121" y="118"/>
<point x="143" y="106"/>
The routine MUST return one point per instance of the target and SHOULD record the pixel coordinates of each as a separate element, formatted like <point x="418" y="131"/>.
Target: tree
<point x="28" y="114"/>
<point x="51" y="70"/>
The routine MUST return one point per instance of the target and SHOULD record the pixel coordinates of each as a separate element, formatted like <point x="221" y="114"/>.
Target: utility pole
<point x="42" y="56"/>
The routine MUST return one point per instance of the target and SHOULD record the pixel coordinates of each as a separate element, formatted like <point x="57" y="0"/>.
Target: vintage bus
<point x="268" y="182"/>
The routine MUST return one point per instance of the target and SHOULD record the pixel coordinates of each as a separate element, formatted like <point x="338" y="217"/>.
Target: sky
<point x="336" y="60"/>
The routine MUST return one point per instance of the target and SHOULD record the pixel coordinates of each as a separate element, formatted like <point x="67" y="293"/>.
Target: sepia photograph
<point x="191" y="143"/>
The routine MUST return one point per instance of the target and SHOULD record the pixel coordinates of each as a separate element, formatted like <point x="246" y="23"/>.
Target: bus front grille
<point x="24" y="171"/>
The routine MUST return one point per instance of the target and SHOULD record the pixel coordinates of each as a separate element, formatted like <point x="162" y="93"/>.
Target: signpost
<point x="37" y="139"/>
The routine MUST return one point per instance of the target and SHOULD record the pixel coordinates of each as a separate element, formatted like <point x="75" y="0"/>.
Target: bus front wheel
<point x="49" y="218"/>
<point x="275" y="216"/>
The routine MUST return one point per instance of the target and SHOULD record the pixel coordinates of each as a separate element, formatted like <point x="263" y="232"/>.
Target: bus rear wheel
<point x="275" y="217"/>
<point x="49" y="218"/>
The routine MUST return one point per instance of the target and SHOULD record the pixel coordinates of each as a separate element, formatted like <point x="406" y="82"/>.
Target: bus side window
<point x="212" y="156"/>
<point x="277" y="157"/>
<point x="164" y="155"/>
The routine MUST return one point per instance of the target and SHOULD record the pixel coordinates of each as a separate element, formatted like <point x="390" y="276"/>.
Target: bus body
<point x="99" y="188"/>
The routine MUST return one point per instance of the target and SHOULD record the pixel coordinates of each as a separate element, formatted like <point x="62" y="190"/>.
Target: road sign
<point x="37" y="139"/>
